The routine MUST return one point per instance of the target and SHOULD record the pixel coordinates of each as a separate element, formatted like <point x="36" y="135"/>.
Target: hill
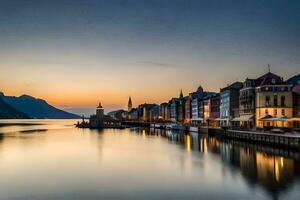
<point x="36" y="108"/>
<point x="8" y="112"/>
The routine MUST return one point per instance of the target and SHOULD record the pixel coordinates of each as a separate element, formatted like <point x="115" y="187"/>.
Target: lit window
<point x="275" y="112"/>
<point x="266" y="112"/>
<point x="282" y="112"/>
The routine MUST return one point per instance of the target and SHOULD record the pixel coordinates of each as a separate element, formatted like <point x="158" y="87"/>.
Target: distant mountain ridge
<point x="8" y="112"/>
<point x="36" y="108"/>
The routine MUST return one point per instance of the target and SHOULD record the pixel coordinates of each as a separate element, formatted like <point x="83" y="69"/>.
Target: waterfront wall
<point x="292" y="141"/>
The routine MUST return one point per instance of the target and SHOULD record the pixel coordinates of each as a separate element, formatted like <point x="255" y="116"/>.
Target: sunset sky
<point x="76" y="53"/>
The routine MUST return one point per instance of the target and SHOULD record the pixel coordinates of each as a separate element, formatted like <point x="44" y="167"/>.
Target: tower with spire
<point x="181" y="95"/>
<point x="129" y="104"/>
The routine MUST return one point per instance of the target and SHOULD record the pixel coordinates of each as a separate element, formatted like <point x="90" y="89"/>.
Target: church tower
<point x="181" y="95"/>
<point x="129" y="104"/>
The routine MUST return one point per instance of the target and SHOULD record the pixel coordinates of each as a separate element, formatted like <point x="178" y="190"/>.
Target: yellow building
<point x="274" y="102"/>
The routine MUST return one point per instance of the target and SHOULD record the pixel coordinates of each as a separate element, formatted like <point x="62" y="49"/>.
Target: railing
<point x="266" y="138"/>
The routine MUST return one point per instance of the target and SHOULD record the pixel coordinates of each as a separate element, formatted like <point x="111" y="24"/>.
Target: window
<point x="266" y="112"/>
<point x="283" y="101"/>
<point x="282" y="112"/>
<point x="268" y="101"/>
<point x="273" y="81"/>
<point x="275" y="100"/>
<point x="275" y="112"/>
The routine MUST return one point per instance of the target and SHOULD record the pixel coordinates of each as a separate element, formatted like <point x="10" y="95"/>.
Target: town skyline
<point x="86" y="111"/>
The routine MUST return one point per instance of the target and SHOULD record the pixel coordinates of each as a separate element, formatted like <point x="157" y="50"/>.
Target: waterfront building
<point x="206" y="110"/>
<point x="196" y="120"/>
<point x="163" y="111"/>
<point x="214" y="116"/>
<point x="201" y="110"/>
<point x="196" y="97"/>
<point x="205" y="107"/>
<point x="177" y="108"/>
<point x="129" y="106"/>
<point x="169" y="112"/>
<point x="229" y="104"/>
<point x="247" y="104"/>
<point x="197" y="106"/>
<point x="118" y="114"/>
<point x="154" y="113"/>
<point x="188" y="110"/>
<point x="274" y="102"/>
<point x="182" y="109"/>
<point x="174" y="105"/>
<point x="144" y="111"/>
<point x="295" y="81"/>
<point x="133" y="114"/>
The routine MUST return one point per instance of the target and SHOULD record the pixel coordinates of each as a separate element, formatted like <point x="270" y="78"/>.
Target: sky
<point x="76" y="53"/>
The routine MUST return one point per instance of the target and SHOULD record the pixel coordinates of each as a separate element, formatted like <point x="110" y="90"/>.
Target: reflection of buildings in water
<point x="173" y="136"/>
<point x="203" y="144"/>
<point x="272" y="172"/>
<point x="214" y="145"/>
<point x="248" y="164"/>
<point x="225" y="151"/>
<point x="195" y="141"/>
<point x="230" y="154"/>
<point x="1" y="141"/>
<point x="187" y="142"/>
<point x="144" y="134"/>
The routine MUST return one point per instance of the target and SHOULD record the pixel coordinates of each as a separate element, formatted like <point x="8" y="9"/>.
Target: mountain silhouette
<point x="8" y="112"/>
<point x="36" y="108"/>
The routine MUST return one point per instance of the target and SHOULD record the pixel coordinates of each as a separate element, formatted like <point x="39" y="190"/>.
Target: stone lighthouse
<point x="100" y="112"/>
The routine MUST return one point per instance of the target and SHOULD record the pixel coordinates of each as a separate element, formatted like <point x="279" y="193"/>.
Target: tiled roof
<point x="269" y="79"/>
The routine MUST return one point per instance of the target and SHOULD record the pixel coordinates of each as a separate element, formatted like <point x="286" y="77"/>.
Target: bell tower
<point x="129" y="104"/>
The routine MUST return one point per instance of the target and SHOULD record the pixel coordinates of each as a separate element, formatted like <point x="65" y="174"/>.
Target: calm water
<point x="50" y="159"/>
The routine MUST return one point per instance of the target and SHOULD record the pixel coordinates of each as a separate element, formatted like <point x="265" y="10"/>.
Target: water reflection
<point x="70" y="163"/>
<point x="273" y="169"/>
